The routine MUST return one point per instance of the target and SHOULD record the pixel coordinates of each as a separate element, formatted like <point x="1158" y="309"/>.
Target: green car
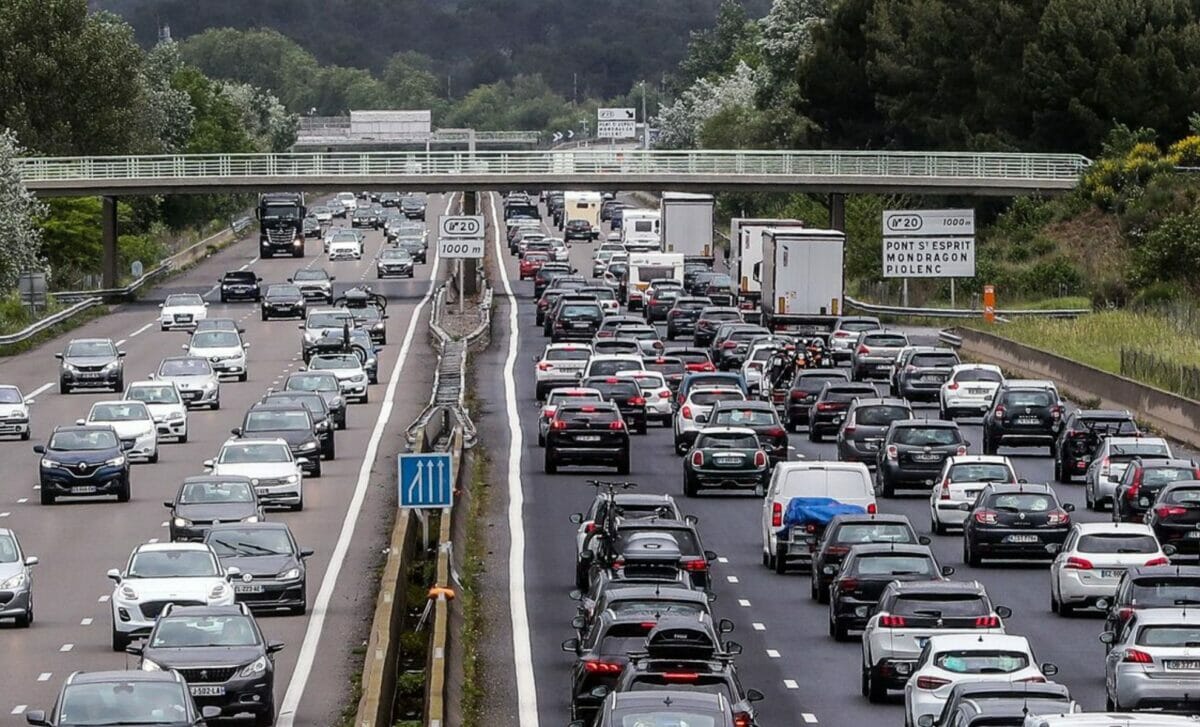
<point x="725" y="458"/>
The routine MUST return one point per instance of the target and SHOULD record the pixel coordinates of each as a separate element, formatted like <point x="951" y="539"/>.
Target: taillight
<point x="617" y="425"/>
<point x="1104" y="466"/>
<point x="849" y="430"/>
<point x="680" y="676"/>
<point x="945" y="489"/>
<point x="775" y="432"/>
<point x="547" y="412"/>
<point x="558" y="425"/>
<point x="1032" y="680"/>
<point x="543" y="366"/>
<point x="1132" y="492"/>
<point x="953" y="386"/>
<point x="838" y="550"/>
<point x="1056" y="412"/>
<point x="1058" y="517"/>
<point x="697" y="459"/>
<point x="985" y="517"/>
<point x="847" y="584"/>
<point x="871" y="509"/>
<point x="987" y="622"/>
<point x="1136" y="656"/>
<point x="599" y="666"/>
<point x="742" y="719"/>
<point x="686" y="412"/>
<point x="931" y="683"/>
<point x="1160" y="560"/>
<point x="707" y="366"/>
<point x="694" y="565"/>
<point x="840" y="334"/>
<point x="637" y="401"/>
<point x="776" y="515"/>
<point x="862" y="349"/>
<point x="892" y="622"/>
<point x="1125" y="614"/>
<point x="800" y="395"/>
<point x="1074" y="563"/>
<point x="619" y="563"/>
<point x="729" y="344"/>
<point x="760" y="458"/>
<point x="1169" y="510"/>
<point x="961" y="451"/>
<point x="590" y="527"/>
<point x="824" y="406"/>
<point x="892" y="452"/>
<point x="1000" y="410"/>
<point x="664" y="394"/>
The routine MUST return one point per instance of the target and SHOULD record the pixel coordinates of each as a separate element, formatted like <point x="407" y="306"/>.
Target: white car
<point x="132" y="422"/>
<point x="1111" y="459"/>
<point x="603" y="255"/>
<point x="323" y="214"/>
<point x="225" y="350"/>
<point x="968" y="390"/>
<point x="348" y="202"/>
<point x="195" y="378"/>
<point x="14" y="412"/>
<point x="273" y="471"/>
<point x="694" y="411"/>
<point x="755" y="364"/>
<point x="166" y="405"/>
<point x="557" y="396"/>
<point x="953" y="659"/>
<point x="345" y="245"/>
<point x="612" y="364"/>
<point x="348" y="370"/>
<point x="561" y="364"/>
<point x="605" y="296"/>
<point x="1089" y="566"/>
<point x="961" y="479"/>
<point x="659" y="404"/>
<point x="558" y="250"/>
<point x="162" y="573"/>
<point x="1108" y="719"/>
<point x="181" y="311"/>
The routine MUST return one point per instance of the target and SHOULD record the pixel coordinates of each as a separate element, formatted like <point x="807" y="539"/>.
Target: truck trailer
<point x="802" y="277"/>
<point x="687" y="225"/>
<point x="745" y="252"/>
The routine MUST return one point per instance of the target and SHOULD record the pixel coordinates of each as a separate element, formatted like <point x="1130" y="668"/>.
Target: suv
<point x="1141" y="482"/>
<point x="828" y="410"/>
<point x="709" y="320"/>
<point x="866" y="424"/>
<point x="1023" y="413"/>
<point x="1081" y="433"/>
<point x="660" y="298"/>
<point x="578" y="230"/>
<point x="240" y="285"/>
<point x="845" y="333"/>
<point x="575" y="319"/>
<point x="626" y="394"/>
<point x="83" y="461"/>
<point x="314" y="283"/>
<point x="913" y="450"/>
<point x="1112" y="458"/>
<point x="921" y="371"/>
<point x="1151" y="586"/>
<point x="91" y="363"/>
<point x="590" y="433"/>
<point x="804" y="391"/>
<point x="866" y="571"/>
<point x="1014" y="521"/>
<point x="293" y="424"/>
<point x="874" y="353"/>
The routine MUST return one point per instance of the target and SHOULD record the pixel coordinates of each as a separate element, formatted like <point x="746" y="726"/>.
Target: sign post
<point x="928" y="244"/>
<point x="989" y="303"/>
<point x="616" y="123"/>
<point x="31" y="287"/>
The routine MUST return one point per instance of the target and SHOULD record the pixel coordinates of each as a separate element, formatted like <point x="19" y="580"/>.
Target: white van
<point x="641" y="230"/>
<point x="583" y="206"/>
<point x="847" y="482"/>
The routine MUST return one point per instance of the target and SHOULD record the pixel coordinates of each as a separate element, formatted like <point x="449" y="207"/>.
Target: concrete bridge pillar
<point x="837" y="211"/>
<point x="108" y="234"/>
<point x="471" y="207"/>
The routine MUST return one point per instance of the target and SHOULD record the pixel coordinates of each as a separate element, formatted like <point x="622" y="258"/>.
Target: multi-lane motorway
<point x="806" y="676"/>
<point x="344" y="511"/>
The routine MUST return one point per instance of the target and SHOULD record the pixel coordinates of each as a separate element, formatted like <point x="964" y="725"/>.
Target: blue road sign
<point x="426" y="480"/>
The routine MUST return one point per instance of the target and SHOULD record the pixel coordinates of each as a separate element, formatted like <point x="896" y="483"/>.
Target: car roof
<point x="863" y="518"/>
<point x="230" y="610"/>
<point x="83" y="427"/>
<point x="173" y="547"/>
<point x="973" y="642"/>
<point x="1039" y="488"/>
<point x="881" y="401"/>
<point x="911" y="587"/>
<point x="729" y="430"/>
<point x="261" y="440"/>
<point x="1111" y="527"/>
<point x="923" y="423"/>
<point x="979" y="459"/>
<point x="1158" y="571"/>
<point x="267" y="406"/>
<point x="1132" y="440"/>
<point x="102" y="677"/>
<point x="1159" y="616"/>
<point x="1152" y="462"/>
<point x="901" y="548"/>
<point x="682" y="698"/>
<point x="745" y="404"/>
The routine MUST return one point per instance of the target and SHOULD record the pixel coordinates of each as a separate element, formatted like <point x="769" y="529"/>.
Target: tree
<point x="19" y="212"/>
<point x="410" y="82"/>
<point x="168" y="112"/>
<point x="263" y="58"/>
<point x="681" y="122"/>
<point x="716" y="51"/>
<point x="270" y="126"/>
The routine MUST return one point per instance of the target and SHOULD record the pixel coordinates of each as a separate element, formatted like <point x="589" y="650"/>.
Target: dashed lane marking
<point x="142" y="330"/>
<point x="758" y="627"/>
<point x="38" y="390"/>
<point x="773" y="653"/>
<point x="45" y="676"/>
<point x="22" y="501"/>
<point x="66" y="647"/>
<point x="85" y="622"/>
<point x="731" y="579"/>
<point x="102" y="599"/>
<point x="790" y="684"/>
<point x="5" y="514"/>
<point x="809" y="718"/>
<point x="152" y="540"/>
<point x="19" y="709"/>
<point x="744" y="603"/>
<point x="722" y="559"/>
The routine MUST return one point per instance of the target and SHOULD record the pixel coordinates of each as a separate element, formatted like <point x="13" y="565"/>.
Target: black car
<point x="83" y="461"/>
<point x="325" y="384"/>
<point x="413" y="206"/>
<point x="576" y="320"/>
<point x="867" y="420"/>
<point x="734" y="345"/>
<point x="206" y="500"/>
<point x="564" y="297"/>
<point x="600" y="657"/>
<point x="322" y="421"/>
<point x="847" y="531"/>
<point x="759" y="416"/>
<point x="624" y="597"/>
<point x="691" y="270"/>
<point x="578" y="230"/>
<point x="587" y="434"/>
<point x="390" y="199"/>
<point x="293" y="424"/>
<point x="1023" y="413"/>
<point x="659" y="300"/>
<point x="602" y="583"/>
<point x="415" y="248"/>
<point x="1081" y="433"/>
<point x="830" y="405"/>
<point x="159" y="698"/>
<point x="394" y="261"/>
<point x="999" y="703"/>
<point x="805" y="389"/>
<point x="709" y="320"/>
<point x="240" y="285"/>
<point x="221" y="653"/>
<point x="284" y="301"/>
<point x="1175" y="517"/>
<point x="89" y="363"/>
<point x="725" y="457"/>
<point x="273" y="574"/>
<point x="1141" y="482"/>
<point x="372" y="320"/>
<point x="546" y="275"/>
<point x="364" y="217"/>
<point x="626" y="394"/>
<point x="682" y="316"/>
<point x="1014" y="521"/>
<point x="912" y="453"/>
<point x="1152" y="586"/>
<point x="314" y="283"/>
<point x="665" y="707"/>
<point x="866" y="571"/>
<point x="921" y="371"/>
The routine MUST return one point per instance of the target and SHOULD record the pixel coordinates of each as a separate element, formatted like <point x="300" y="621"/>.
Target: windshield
<point x="10" y="395"/>
<point x="254" y="453"/>
<point x="191" y="366"/>
<point x="84" y="440"/>
<point x="154" y="394"/>
<point x="185" y="299"/>
<point x="173" y="564"/>
<point x="264" y="420"/>
<point x="281" y="210"/>
<point x="873" y="533"/>
<point x="894" y="565"/>
<point x="216" y="339"/>
<point x="880" y="416"/>
<point x="334" y="361"/>
<point x="926" y="436"/>
<point x="91" y="348"/>
<point x="979" y="375"/>
<point x="948" y="605"/>
<point x="124" y="703"/>
<point x="301" y="382"/>
<point x="8" y="549"/>
<point x="250" y="542"/>
<point x="1180" y="635"/>
<point x="213" y="492"/>
<point x="199" y="631"/>
<point x="395" y="254"/>
<point x="981" y="472"/>
<point x="981" y="662"/>
<point x="129" y="411"/>
<point x="726" y="440"/>
<point x="332" y="319"/>
<point x="1109" y="543"/>
<point x="310" y="275"/>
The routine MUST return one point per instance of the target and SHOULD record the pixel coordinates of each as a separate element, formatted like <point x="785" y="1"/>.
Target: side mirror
<point x="184" y="347"/>
<point x="1107" y="637"/>
<point x="274" y="647"/>
<point x="947" y="570"/>
<point x="1069" y="507"/>
<point x="925" y="720"/>
<point x="168" y="504"/>
<point x="1022" y="481"/>
<point x="126" y="446"/>
<point x="753" y="695"/>
<point x="732" y="648"/>
<point x="236" y="431"/>
<point x="306" y="552"/>
<point x="600" y="692"/>
<point x="210" y="712"/>
<point x="232" y="572"/>
<point x="135" y="649"/>
<point x="59" y="357"/>
<point x="1049" y="669"/>
<point x="114" y="575"/>
<point x="1054" y="548"/>
<point x="245" y="345"/>
<point x="301" y="326"/>
<point x="160" y="305"/>
<point x="39" y="449"/>
<point x="120" y="354"/>
<point x="575" y="595"/>
<point x="36" y="716"/>
<point x="725" y="626"/>
<point x="32" y="560"/>
<point x="80" y="422"/>
<point x="576" y="518"/>
<point x="924" y="539"/>
<point x="208" y="464"/>
<point x="571" y="646"/>
<point x="1169" y="550"/>
<point x="1003" y="611"/>
<point x="578" y="623"/>
<point x="710" y="555"/>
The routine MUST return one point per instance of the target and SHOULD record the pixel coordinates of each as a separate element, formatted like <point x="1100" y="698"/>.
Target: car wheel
<point x="25" y="436"/>
<point x="329" y="452"/>
<point x="25" y="620"/>
<point x="689" y="486"/>
<point x="989" y="447"/>
<point x="969" y="555"/>
<point x="541" y="438"/>
<point x="119" y="640"/>
<point x="1109" y="704"/>
<point x="119" y="386"/>
<point x="265" y="316"/>
<point x="642" y="427"/>
<point x="813" y="434"/>
<point x="243" y="376"/>
<point x="183" y="438"/>
<point x="623" y="464"/>
<point x="223" y="299"/>
<point x="123" y="493"/>
<point x="299" y="506"/>
<point x="265" y="718"/>
<point x="936" y="526"/>
<point x="216" y="404"/>
<point x="46" y="496"/>
<point x="153" y="459"/>
<point x="780" y="559"/>
<point x="1058" y="470"/>
<point x="943" y="414"/>
<point x="366" y="397"/>
<point x="876" y="692"/>
<point x="767" y="560"/>
<point x="886" y="487"/>
<point x="64" y="387"/>
<point x="551" y="466"/>
<point x="837" y="630"/>
<point x="1053" y="602"/>
<point x="317" y="469"/>
<point x="1089" y="503"/>
<point x="341" y="423"/>
<point x="813" y="589"/>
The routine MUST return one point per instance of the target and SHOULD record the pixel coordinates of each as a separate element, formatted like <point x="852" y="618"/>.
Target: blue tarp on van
<point x="815" y="510"/>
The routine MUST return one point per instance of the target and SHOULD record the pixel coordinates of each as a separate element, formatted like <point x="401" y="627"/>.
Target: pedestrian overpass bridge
<point x="837" y="172"/>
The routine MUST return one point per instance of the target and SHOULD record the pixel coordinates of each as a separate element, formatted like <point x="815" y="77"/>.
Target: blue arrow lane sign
<point x="426" y="480"/>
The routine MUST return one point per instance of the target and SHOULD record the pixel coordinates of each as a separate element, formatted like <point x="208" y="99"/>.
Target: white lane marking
<point x="19" y="709"/>
<point x="102" y="599"/>
<point x="152" y="540"/>
<point x="39" y="390"/>
<point x="66" y="647"/>
<point x="5" y="514"/>
<point x="790" y="684"/>
<point x="316" y="624"/>
<point x="45" y="676"/>
<point x="773" y="653"/>
<point x="143" y="329"/>
<point x="164" y="524"/>
<point x="121" y="342"/>
<point x="731" y="579"/>
<point x="722" y="559"/>
<point x="86" y="622"/>
<point x="758" y="627"/>
<point x="522" y="647"/>
<point x="22" y="501"/>
<point x="744" y="602"/>
<point x="809" y="718"/>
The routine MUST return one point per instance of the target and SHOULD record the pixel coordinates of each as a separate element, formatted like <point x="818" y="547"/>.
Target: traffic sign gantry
<point x="426" y="480"/>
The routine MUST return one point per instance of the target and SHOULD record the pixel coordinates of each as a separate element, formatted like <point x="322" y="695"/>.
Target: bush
<point x="1050" y="277"/>
<point x="139" y="247"/>
<point x="1159" y="294"/>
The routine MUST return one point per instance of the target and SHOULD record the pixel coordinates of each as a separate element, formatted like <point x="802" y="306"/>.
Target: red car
<point x="532" y="262"/>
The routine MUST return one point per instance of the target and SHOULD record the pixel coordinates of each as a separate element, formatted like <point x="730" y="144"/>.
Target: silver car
<point x="1154" y="662"/>
<point x="195" y="378"/>
<point x="874" y="353"/>
<point x="1109" y="462"/>
<point x="16" y="578"/>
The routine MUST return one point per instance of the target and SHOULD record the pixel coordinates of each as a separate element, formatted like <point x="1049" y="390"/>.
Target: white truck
<point x="583" y="206"/>
<point x="802" y="277"/>
<point x="640" y="230"/>
<point x="687" y="225"/>
<point x="647" y="266"/>
<point x="745" y="250"/>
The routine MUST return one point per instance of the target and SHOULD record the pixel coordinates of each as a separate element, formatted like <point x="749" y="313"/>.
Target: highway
<point x="806" y="676"/>
<point x="78" y="541"/>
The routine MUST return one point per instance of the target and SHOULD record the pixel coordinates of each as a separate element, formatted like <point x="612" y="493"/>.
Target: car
<point x="912" y="452"/>
<point x="1142" y="669"/>
<point x="732" y="344"/>
<point x="390" y="199"/>
<point x="132" y="422"/>
<point x="1081" y="433"/>
<point x="610" y="325"/>
<point x="626" y="393"/>
<point x="293" y="423"/>
<point x="908" y="615"/>
<point x="1175" y="517"/>
<point x="587" y="433"/>
<point x="195" y="379"/>
<point x="960" y="481"/>
<point x="724" y="457"/>
<point x="761" y="418"/>
<point x="1088" y="566"/>
<point x="828" y="410"/>
<point x="611" y="364"/>
<point x="950" y="659"/>
<point x="683" y="314"/>
<point x="14" y="412"/>
<point x="1111" y="458"/>
<point x="88" y="363"/>
<point x="664" y="707"/>
<point x="326" y="385"/>
<point x="605" y="297"/>
<point x="240" y="285"/>
<point x="314" y="283"/>
<point x="702" y="377"/>
<point x="323" y="213"/>
<point x="319" y="322"/>
<point x="206" y="500"/>
<point x="323" y="424"/>
<point x="345" y="245"/>
<point x="575" y="319"/>
<point x="1105" y="719"/>
<point x="860" y="437"/>
<point x="283" y="301"/>
<point x="347" y="201"/>
<point x="372" y="320"/>
<point x="531" y="262"/>
<point x="16" y="580"/>
<point x="996" y="702"/>
<point x="1023" y="413"/>
<point x="708" y="320"/>
<point x="413" y="206"/>
<point x="364" y="217"/>
<point x="579" y="230"/>
<point x="1141" y="482"/>
<point x="921" y="372"/>
<point x="273" y="572"/>
<point x="274" y="472"/>
<point x="218" y="324"/>
<point x="845" y="334"/>
<point x="310" y="226"/>
<point x="671" y="367"/>
<point x="415" y="248"/>
<point x="968" y="390"/>
<point x="805" y="388"/>
<point x="124" y="697"/>
<point x="788" y="539"/>
<point x="655" y="393"/>
<point x="557" y="396"/>
<point x="544" y="303"/>
<point x="1014" y="521"/>
<point x="619" y="505"/>
<point x="646" y="540"/>
<point x="558" y="249"/>
<point x="561" y="364"/>
<point x="719" y="288"/>
<point x="603" y="254"/>
<point x="158" y="574"/>
<point x="1151" y="587"/>
<point x="693" y="414"/>
<point x="83" y="461"/>
<point x="181" y="311"/>
<point x="866" y="571"/>
<point x="848" y="531"/>
<point x="874" y="353"/>
<point x="225" y="350"/>
<point x="228" y="664"/>
<point x="646" y="337"/>
<point x="348" y="370"/>
<point x="660" y="298"/>
<point x="757" y="359"/>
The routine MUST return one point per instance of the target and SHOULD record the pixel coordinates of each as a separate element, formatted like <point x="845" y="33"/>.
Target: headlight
<point x="18" y="581"/>
<point x="289" y="575"/>
<point x="111" y="366"/>
<point x="127" y="593"/>
<point x="115" y="461"/>
<point x="182" y="523"/>
<point x="258" y="666"/>
<point x="308" y="446"/>
<point x="148" y="665"/>
<point x="210" y="385"/>
<point x="175" y="416"/>
<point x="337" y="402"/>
<point x="49" y="463"/>
<point x="292" y="479"/>
<point x="218" y="591"/>
<point x="254" y="481"/>
<point x="251" y="519"/>
<point x="71" y="368"/>
<point x="359" y="378"/>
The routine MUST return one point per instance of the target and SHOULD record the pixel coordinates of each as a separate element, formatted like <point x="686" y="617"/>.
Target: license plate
<point x="977" y="392"/>
<point x="89" y="375"/>
<point x="588" y="438"/>
<point x="1111" y="572"/>
<point x="183" y="319"/>
<point x="247" y="588"/>
<point x="579" y="325"/>
<point x="927" y="456"/>
<point x="1182" y="664"/>
<point x="971" y="493"/>
<point x="728" y="461"/>
<point x="1028" y="420"/>
<point x="202" y="691"/>
<point x="933" y="377"/>
<point x="1022" y="538"/>
<point x="83" y="490"/>
<point x="1194" y="535"/>
<point x="262" y="490"/>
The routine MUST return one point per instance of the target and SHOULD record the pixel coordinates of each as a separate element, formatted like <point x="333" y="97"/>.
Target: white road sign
<point x="905" y="223"/>
<point x="615" y="114"/>
<point x="616" y="123"/>
<point x="928" y="257"/>
<point x="461" y="226"/>
<point x="460" y="247"/>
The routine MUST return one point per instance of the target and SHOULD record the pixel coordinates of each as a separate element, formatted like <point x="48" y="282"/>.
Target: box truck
<point x="640" y="230"/>
<point x="687" y="225"/>
<point x="745" y="252"/>
<point x="802" y="279"/>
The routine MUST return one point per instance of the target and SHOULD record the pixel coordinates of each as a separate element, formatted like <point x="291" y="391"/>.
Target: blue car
<point x="83" y="461"/>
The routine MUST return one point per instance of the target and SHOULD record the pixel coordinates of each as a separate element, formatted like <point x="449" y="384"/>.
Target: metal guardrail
<point x="50" y="321"/>
<point x="950" y="339"/>
<point x="895" y="310"/>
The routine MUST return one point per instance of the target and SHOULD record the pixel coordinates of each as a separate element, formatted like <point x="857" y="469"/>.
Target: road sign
<point x="426" y="480"/>
<point x="906" y="223"/>
<point x="461" y="226"/>
<point x="558" y="136"/>
<point x="615" y="114"/>
<point x="928" y="257"/>
<point x="616" y="123"/>
<point x="32" y="289"/>
<point x="460" y="247"/>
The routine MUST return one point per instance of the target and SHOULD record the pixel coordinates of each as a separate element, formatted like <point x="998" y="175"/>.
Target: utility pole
<point x="574" y="89"/>
<point x="645" y="119"/>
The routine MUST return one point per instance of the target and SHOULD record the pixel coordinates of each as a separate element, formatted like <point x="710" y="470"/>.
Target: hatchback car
<point x="16" y="580"/>
<point x="860" y="437"/>
<point x="273" y="575"/>
<point x="921" y="371"/>
<point x="240" y="285"/>
<point x="866" y="571"/>
<point x="912" y="453"/>
<point x="181" y="311"/>
<point x="845" y="334"/>
<point x="269" y="464"/>
<point x="829" y="407"/>
<point x="683" y="314"/>
<point x="83" y="462"/>
<point x="1081" y="434"/>
<point x="206" y="500"/>
<point x="848" y="531"/>
<point x="225" y="350"/>
<point x="89" y="363"/>
<point x="1014" y="521"/>
<point x="1111" y="459"/>
<point x="1175" y="517"/>
<point x="709" y="319"/>
<point x="132" y="422"/>
<point x="347" y="368"/>
<point x="627" y="394"/>
<point x="1088" y="567"/>
<point x="1151" y="587"/>
<point x="761" y="418"/>
<point x="804" y="391"/>
<point x="326" y="385"/>
<point x="576" y="320"/>
<point x="874" y="354"/>
<point x="392" y="261"/>
<point x="139" y="697"/>
<point x="14" y="412"/>
<point x="961" y="480"/>
<point x="283" y="301"/>
<point x="195" y="378"/>
<point x="968" y="390"/>
<point x="727" y="458"/>
<point x="693" y="414"/>
<point x="293" y="424"/>
<point x="1151" y="663"/>
<point x="1141" y="482"/>
<point x="587" y="434"/>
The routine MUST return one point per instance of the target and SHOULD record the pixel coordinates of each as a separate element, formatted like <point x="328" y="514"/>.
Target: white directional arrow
<point x="558" y="136"/>
<point x="431" y="484"/>
<point x="441" y="481"/>
<point x="570" y="134"/>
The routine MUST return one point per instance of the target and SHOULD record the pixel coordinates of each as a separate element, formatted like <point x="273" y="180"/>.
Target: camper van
<point x="645" y="267"/>
<point x="583" y="206"/>
<point x="640" y="230"/>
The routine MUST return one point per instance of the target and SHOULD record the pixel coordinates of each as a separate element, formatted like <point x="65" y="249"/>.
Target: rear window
<point x="885" y="340"/>
<point x="1036" y="397"/>
<point x="607" y="368"/>
<point x="979" y="375"/>
<point x="727" y="440"/>
<point x="712" y="380"/>
<point x="845" y="482"/>
<point x="722" y="315"/>
<point x="704" y="398"/>
<point x="654" y="610"/>
<point x="623" y="638"/>
<point x="934" y="360"/>
<point x="853" y="325"/>
<point x="1165" y="591"/>
<point x="815" y="383"/>
<point x="1111" y="543"/>
<point x="581" y="311"/>
<point x="666" y="367"/>
<point x="846" y="393"/>
<point x="561" y="397"/>
<point x="655" y="272"/>
<point x="1169" y="635"/>
<point x="744" y="417"/>
<point x="747" y="335"/>
<point x="940" y="605"/>
<point x="893" y="565"/>
<point x="622" y="389"/>
<point x="568" y="354"/>
<point x="981" y="472"/>
<point x="981" y="662"/>
<point x="1141" y="449"/>
<point x="926" y="436"/>
<point x="585" y="414"/>
<point x="1109" y="427"/>
<point x="1021" y="502"/>
<point x="1160" y="476"/>
<point x="856" y="533"/>
<point x="1182" y="496"/>
<point x="880" y="416"/>
<point x="691" y="304"/>
<point x="694" y="357"/>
